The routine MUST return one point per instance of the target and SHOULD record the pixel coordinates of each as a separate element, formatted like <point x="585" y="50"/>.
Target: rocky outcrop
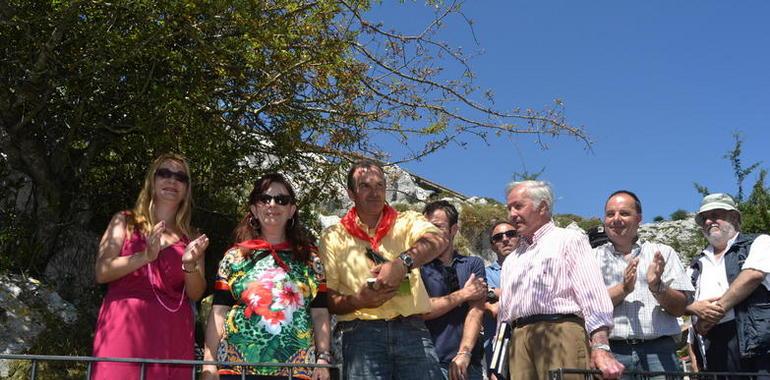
<point x="683" y="235"/>
<point x="26" y="309"/>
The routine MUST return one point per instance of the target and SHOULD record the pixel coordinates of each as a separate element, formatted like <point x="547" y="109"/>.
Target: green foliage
<point x="475" y="220"/>
<point x="755" y="210"/>
<point x="526" y="175"/>
<point x="679" y="214"/>
<point x="734" y="156"/>
<point x="401" y="207"/>
<point x="19" y="253"/>
<point x="564" y="220"/>
<point x="92" y="91"/>
<point x="658" y="219"/>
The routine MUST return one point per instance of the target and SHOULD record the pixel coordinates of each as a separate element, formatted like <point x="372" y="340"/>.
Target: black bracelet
<point x="324" y="356"/>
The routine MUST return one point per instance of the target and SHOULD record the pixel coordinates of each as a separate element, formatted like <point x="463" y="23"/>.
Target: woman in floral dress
<point x="270" y="295"/>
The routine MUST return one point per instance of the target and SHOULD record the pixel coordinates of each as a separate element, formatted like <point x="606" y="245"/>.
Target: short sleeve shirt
<point x="347" y="266"/>
<point x="447" y="330"/>
<point x="269" y="319"/>
<point x="640" y="316"/>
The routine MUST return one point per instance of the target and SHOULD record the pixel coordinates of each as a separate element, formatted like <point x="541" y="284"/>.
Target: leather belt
<point x="530" y="319"/>
<point x="634" y="341"/>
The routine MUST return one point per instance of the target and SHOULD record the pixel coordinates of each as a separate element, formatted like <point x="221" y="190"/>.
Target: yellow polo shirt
<point x="347" y="266"/>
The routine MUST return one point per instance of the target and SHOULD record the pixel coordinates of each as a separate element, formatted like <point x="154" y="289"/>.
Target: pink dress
<point x="133" y="323"/>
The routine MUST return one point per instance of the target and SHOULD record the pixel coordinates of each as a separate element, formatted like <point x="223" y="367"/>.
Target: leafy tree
<point x="658" y="219"/>
<point x="734" y="156"/>
<point x="755" y="211"/>
<point x="679" y="214"/>
<point x="91" y="91"/>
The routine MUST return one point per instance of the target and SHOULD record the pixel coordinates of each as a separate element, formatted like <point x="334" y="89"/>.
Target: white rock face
<point x="327" y="221"/>
<point x="23" y="303"/>
<point x="683" y="235"/>
<point x="402" y="187"/>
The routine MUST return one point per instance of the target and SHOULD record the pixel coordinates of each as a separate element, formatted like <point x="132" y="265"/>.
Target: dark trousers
<point x="723" y="353"/>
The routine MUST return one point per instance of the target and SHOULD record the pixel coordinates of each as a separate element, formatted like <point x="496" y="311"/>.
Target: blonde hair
<point x="142" y="217"/>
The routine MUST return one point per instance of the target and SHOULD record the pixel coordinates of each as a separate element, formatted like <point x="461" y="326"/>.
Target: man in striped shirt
<point x="553" y="293"/>
<point x="648" y="286"/>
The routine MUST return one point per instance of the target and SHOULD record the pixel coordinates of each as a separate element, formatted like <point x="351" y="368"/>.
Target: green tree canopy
<point x="91" y="91"/>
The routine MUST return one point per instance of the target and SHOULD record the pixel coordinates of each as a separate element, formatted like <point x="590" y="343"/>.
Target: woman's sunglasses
<point x="498" y="237"/>
<point x="167" y="173"/>
<point x="281" y="199"/>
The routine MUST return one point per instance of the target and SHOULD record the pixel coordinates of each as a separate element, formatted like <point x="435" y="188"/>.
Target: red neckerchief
<point x="259" y="244"/>
<point x="383" y="227"/>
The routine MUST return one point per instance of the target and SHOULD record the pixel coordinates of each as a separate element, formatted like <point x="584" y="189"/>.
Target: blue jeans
<point x="474" y="371"/>
<point x="657" y="355"/>
<point x="398" y="349"/>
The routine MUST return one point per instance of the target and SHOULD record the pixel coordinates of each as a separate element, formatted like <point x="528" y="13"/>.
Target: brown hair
<point x="141" y="215"/>
<point x="296" y="233"/>
<point x="363" y="163"/>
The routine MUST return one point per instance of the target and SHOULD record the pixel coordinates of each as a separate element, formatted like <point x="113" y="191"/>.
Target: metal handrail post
<point x="33" y="370"/>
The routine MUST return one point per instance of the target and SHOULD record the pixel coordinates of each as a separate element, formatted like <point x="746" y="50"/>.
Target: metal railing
<point x="589" y="374"/>
<point x="195" y="364"/>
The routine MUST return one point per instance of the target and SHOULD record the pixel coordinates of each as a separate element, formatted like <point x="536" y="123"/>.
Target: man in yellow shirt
<point x="372" y="258"/>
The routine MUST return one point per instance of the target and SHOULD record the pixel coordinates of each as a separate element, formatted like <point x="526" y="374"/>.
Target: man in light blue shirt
<point x="504" y="240"/>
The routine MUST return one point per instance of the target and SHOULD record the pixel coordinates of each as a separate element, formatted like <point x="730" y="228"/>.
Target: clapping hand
<point x="655" y="271"/>
<point x="629" y="276"/>
<point x="195" y="250"/>
<point x="154" y="241"/>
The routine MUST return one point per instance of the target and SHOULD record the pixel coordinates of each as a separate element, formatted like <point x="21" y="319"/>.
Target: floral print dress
<point x="270" y="295"/>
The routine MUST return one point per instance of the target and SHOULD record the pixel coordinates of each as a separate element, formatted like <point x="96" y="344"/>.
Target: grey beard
<point x="720" y="238"/>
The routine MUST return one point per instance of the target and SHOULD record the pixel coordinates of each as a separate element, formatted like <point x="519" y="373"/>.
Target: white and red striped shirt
<point x="555" y="274"/>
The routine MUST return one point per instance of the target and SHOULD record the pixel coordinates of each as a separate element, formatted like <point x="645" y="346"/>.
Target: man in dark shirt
<point x="456" y="312"/>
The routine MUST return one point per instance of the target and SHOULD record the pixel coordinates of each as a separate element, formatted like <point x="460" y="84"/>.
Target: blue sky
<point x="660" y="87"/>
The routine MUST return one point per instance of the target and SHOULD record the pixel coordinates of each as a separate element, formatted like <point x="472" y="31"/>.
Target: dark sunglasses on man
<point x="168" y="173"/>
<point x="281" y="199"/>
<point x="450" y="279"/>
<point x="510" y="234"/>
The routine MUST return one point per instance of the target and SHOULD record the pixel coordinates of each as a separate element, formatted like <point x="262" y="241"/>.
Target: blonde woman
<point x="153" y="271"/>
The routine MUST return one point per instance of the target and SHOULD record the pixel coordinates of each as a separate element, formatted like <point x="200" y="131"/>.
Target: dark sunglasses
<point x="450" y="279"/>
<point x="281" y="199"/>
<point x="375" y="257"/>
<point x="510" y="234"/>
<point x="168" y="173"/>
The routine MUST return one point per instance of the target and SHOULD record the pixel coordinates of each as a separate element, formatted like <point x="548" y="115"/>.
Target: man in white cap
<point x="732" y="295"/>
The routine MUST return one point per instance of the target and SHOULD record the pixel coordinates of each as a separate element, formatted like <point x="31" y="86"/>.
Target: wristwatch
<point x="407" y="260"/>
<point x="600" y="346"/>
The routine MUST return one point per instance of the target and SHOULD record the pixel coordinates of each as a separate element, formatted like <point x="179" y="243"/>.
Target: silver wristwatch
<point x="407" y="260"/>
<point x="600" y="346"/>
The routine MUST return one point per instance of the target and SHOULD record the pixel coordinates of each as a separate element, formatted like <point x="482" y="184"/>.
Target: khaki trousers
<point x="543" y="346"/>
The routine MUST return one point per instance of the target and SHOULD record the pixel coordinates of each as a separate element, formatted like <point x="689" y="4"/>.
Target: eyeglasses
<point x="168" y="173"/>
<point x="450" y="279"/>
<point x="510" y="234"/>
<point x="281" y="199"/>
